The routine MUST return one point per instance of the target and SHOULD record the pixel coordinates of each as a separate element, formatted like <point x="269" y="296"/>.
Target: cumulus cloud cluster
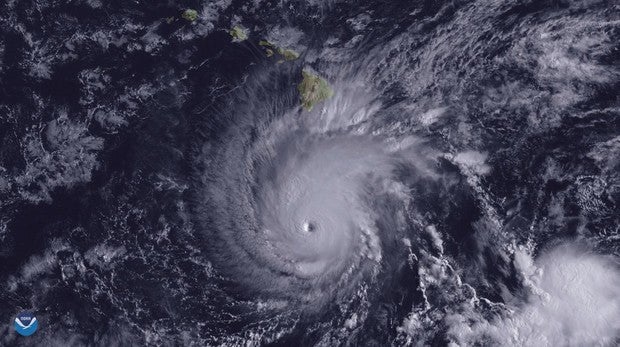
<point x="65" y="156"/>
<point x="574" y="301"/>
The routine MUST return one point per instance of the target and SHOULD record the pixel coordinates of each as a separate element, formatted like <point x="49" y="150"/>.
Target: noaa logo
<point x="26" y="324"/>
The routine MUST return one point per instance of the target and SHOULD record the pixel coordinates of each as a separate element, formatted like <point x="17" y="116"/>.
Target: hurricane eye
<point x="309" y="226"/>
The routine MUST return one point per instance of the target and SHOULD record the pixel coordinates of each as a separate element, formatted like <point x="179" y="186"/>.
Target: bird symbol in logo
<point x="25" y="324"/>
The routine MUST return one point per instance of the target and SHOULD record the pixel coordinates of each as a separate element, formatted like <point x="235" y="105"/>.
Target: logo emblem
<point x="26" y="324"/>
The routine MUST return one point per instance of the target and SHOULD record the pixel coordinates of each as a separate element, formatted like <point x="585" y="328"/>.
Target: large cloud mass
<point x="574" y="301"/>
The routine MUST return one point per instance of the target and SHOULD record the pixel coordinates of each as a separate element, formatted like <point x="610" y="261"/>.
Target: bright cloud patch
<point x="575" y="301"/>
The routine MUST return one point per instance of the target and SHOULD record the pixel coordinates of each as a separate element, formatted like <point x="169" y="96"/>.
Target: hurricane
<point x="305" y="202"/>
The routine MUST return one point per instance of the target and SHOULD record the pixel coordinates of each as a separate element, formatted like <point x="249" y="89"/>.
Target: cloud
<point x="473" y="161"/>
<point x="65" y="156"/>
<point x="574" y="301"/>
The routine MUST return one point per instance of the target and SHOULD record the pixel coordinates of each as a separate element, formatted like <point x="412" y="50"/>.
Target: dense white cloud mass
<point x="574" y="301"/>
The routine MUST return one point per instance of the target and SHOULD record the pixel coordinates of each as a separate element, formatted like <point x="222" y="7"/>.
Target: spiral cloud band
<point x="302" y="202"/>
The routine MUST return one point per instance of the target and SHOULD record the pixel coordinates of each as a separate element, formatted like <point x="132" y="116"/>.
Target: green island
<point x="313" y="89"/>
<point x="238" y="34"/>
<point x="190" y="15"/>
<point x="285" y="53"/>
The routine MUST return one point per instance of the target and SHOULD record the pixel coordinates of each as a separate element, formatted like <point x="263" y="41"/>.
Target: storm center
<point x="309" y="226"/>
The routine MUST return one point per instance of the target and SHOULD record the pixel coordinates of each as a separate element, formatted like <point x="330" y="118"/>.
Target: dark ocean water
<point x="157" y="178"/>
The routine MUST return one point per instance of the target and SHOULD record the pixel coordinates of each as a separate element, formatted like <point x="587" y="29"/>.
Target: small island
<point x="190" y="15"/>
<point x="238" y="34"/>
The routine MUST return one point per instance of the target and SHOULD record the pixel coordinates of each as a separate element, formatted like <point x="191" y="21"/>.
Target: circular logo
<point x="26" y="323"/>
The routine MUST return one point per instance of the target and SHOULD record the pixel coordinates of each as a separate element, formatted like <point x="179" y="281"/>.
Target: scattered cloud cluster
<point x="574" y="300"/>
